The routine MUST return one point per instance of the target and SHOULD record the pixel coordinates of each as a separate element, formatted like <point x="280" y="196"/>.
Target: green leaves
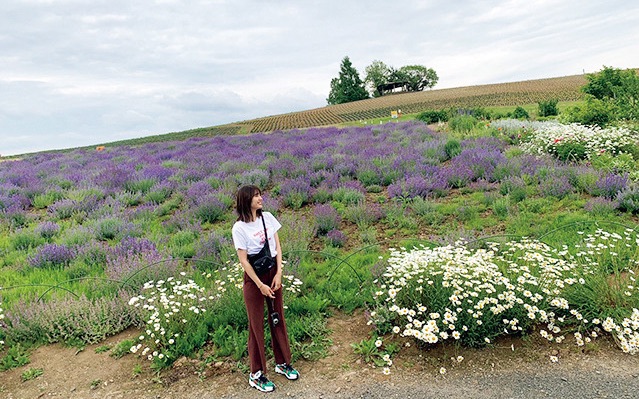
<point x="347" y="86"/>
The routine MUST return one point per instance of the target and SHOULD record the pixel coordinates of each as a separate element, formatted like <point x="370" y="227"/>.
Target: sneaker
<point x="260" y="382"/>
<point x="288" y="371"/>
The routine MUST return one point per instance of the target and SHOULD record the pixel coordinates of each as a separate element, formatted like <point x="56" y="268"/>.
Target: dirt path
<point x="511" y="369"/>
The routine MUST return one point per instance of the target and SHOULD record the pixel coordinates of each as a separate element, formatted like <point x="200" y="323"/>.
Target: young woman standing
<point x="249" y="238"/>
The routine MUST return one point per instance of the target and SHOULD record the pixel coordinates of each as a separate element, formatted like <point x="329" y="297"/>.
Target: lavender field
<point x="84" y="230"/>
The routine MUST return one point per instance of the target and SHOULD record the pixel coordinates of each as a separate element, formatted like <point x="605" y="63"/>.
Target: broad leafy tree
<point x="611" y="94"/>
<point x="381" y="78"/>
<point x="348" y="86"/>
<point x="627" y="95"/>
<point x="377" y="74"/>
<point x="603" y="84"/>
<point x="418" y="77"/>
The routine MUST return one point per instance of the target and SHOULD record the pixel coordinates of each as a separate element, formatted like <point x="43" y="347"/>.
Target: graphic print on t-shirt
<point x="259" y="235"/>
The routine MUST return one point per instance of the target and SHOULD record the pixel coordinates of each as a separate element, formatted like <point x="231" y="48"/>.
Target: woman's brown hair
<point x="243" y="201"/>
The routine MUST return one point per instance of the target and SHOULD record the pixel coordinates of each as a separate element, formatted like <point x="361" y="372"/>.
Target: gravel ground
<point x="564" y="384"/>
<point x="604" y="375"/>
<point x="509" y="369"/>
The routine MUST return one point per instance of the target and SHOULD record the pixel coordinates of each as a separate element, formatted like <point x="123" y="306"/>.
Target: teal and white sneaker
<point x="260" y="382"/>
<point x="288" y="371"/>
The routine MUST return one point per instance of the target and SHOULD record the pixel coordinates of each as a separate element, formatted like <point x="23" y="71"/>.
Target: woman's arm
<point x="277" y="280"/>
<point x="248" y="269"/>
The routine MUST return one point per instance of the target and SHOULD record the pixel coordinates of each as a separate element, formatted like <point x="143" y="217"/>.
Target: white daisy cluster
<point x="453" y="292"/>
<point x="225" y="278"/>
<point x="233" y="277"/>
<point x="611" y="251"/>
<point x="596" y="140"/>
<point x="625" y="333"/>
<point x="169" y="304"/>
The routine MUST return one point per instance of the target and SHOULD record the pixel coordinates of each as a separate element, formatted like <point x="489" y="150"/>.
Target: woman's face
<point x="256" y="202"/>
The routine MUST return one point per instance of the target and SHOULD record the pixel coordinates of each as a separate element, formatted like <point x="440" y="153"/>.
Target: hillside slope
<point x="500" y="94"/>
<point x="566" y="88"/>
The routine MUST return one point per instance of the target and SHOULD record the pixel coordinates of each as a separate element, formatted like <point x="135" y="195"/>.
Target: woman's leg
<point x="279" y="335"/>
<point x="254" y="301"/>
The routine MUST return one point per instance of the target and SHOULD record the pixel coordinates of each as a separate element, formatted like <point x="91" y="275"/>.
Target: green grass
<point x="31" y="374"/>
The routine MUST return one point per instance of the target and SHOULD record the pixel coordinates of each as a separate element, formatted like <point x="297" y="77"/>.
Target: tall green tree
<point x="348" y="86"/>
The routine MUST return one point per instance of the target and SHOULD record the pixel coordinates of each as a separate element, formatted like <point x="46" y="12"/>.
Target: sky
<point x="83" y="72"/>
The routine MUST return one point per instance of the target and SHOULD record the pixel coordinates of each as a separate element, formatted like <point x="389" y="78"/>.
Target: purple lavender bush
<point x="47" y="230"/>
<point x="84" y="320"/>
<point x="610" y="185"/>
<point x="52" y="256"/>
<point x="336" y="238"/>
<point x="601" y="206"/>
<point x="326" y="218"/>
<point x="136" y="260"/>
<point x="295" y="192"/>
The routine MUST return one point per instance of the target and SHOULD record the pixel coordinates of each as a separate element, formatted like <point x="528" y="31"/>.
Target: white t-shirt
<point x="250" y="236"/>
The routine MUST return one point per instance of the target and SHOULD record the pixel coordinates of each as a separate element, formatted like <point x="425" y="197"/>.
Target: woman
<point x="248" y="238"/>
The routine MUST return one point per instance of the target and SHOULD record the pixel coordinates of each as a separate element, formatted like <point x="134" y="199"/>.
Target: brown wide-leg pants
<point x="254" y="301"/>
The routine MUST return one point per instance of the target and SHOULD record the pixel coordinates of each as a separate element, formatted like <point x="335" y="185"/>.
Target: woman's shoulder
<point x="238" y="225"/>
<point x="268" y="215"/>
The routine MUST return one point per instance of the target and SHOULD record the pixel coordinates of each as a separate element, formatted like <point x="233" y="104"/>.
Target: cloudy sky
<point x="83" y="72"/>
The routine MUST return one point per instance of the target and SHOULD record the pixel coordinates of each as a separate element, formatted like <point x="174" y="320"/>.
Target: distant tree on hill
<point x="418" y="77"/>
<point x="381" y="78"/>
<point x="377" y="74"/>
<point x="348" y="86"/>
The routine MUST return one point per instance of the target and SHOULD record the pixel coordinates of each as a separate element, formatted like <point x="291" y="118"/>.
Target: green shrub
<point x="570" y="151"/>
<point x="122" y="348"/>
<point x="629" y="200"/>
<point x="139" y="186"/>
<point x="368" y="177"/>
<point x="422" y="207"/>
<point x="362" y="214"/>
<point x="520" y="113"/>
<point x="24" y="240"/>
<point x="44" y="200"/>
<point x="31" y="374"/>
<point x="182" y="244"/>
<point x="501" y="207"/>
<point x="295" y="199"/>
<point x="548" y="108"/>
<point x="348" y="196"/>
<point x="108" y="229"/>
<point x="452" y="148"/>
<point x="481" y="113"/>
<point x="594" y="112"/>
<point x="16" y="356"/>
<point x="374" y="189"/>
<point x="321" y="196"/>
<point x="433" y="116"/>
<point x="159" y="195"/>
<point x="462" y="123"/>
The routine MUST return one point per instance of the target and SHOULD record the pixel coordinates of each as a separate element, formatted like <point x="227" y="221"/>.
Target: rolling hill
<point x="565" y="88"/>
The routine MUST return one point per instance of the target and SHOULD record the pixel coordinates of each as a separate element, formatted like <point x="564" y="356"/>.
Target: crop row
<point x="501" y="94"/>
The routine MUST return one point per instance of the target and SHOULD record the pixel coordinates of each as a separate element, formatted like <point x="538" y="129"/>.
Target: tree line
<point x="380" y="79"/>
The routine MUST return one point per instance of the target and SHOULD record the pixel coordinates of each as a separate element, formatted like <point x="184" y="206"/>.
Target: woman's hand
<point x="277" y="281"/>
<point x="267" y="291"/>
